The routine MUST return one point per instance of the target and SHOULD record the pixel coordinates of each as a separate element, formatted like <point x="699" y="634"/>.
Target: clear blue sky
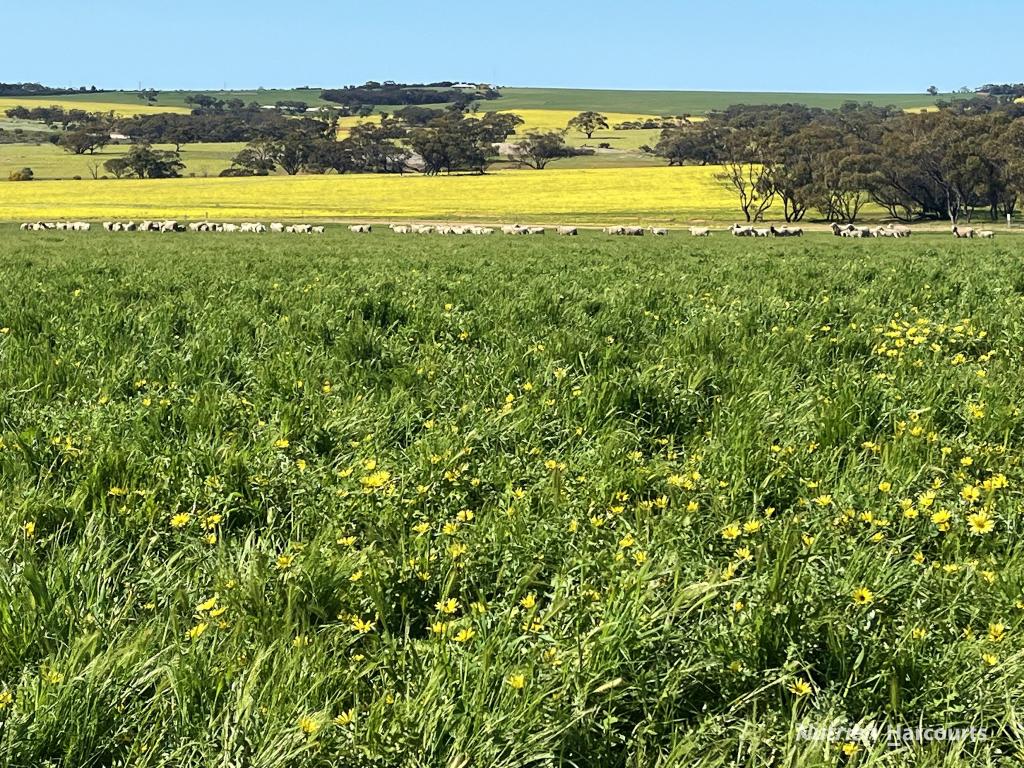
<point x="894" y="46"/>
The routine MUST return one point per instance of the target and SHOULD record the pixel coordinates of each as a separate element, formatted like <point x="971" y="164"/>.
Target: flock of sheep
<point x="40" y="226"/>
<point x="891" y="230"/>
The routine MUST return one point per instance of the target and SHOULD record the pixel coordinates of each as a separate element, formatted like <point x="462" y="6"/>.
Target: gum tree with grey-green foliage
<point x="588" y="122"/>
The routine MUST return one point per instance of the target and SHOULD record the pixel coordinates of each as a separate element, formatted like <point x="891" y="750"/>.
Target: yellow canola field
<point x="659" y="194"/>
<point x="121" y="110"/>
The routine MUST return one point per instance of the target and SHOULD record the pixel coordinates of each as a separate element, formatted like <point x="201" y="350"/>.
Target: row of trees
<point x="945" y="164"/>
<point x="37" y="89"/>
<point x="447" y="142"/>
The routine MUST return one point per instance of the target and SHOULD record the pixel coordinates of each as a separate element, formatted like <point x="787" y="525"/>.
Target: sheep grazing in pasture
<point x="401" y="229"/>
<point x="535" y="230"/>
<point x="422" y="229"/>
<point x="986" y="234"/>
<point x="614" y="230"/>
<point x="762" y="233"/>
<point x="700" y="231"/>
<point x="230" y="228"/>
<point x="276" y="226"/>
<point x="634" y="232"/>
<point x="567" y="231"/>
<point x="317" y="230"/>
<point x="850" y="231"/>
<point x="483" y="231"/>
<point x="786" y="232"/>
<point x="739" y="231"/>
<point x="359" y="229"/>
<point x="962" y="234"/>
<point x="659" y="231"/>
<point x="898" y="230"/>
<point x="513" y="229"/>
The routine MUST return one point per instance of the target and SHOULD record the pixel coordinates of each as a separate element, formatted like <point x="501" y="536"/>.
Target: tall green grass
<point x="242" y="478"/>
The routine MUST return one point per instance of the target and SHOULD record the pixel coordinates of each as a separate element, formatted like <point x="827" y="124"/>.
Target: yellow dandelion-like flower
<point x="180" y="520"/>
<point x="996" y="632"/>
<point x="863" y="596"/>
<point x="207" y="605"/>
<point x="919" y="633"/>
<point x="970" y="493"/>
<point x="800" y="687"/>
<point x="284" y="562"/>
<point x="464" y="635"/>
<point x="281" y="443"/>
<point x="345" y="718"/>
<point x="752" y="526"/>
<point x="6" y="699"/>
<point x="309" y="725"/>
<point x="194" y="633"/>
<point x="941" y="519"/>
<point x="639" y="557"/>
<point x="361" y="625"/>
<point x="885" y="486"/>
<point x="377" y="479"/>
<point x="823" y="500"/>
<point x="529" y="601"/>
<point x="990" y="659"/>
<point x="980" y="523"/>
<point x="731" y="531"/>
<point x="449" y="606"/>
<point x="517" y="681"/>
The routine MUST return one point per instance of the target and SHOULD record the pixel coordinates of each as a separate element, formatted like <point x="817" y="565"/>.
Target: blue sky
<point x="867" y="46"/>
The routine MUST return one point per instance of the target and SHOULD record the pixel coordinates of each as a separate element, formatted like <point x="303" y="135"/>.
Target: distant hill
<point x="693" y="102"/>
<point x="636" y="102"/>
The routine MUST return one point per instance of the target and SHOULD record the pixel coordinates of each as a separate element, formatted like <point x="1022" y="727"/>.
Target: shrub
<point x="25" y="174"/>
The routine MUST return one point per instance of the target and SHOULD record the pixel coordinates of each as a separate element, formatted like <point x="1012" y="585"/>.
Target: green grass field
<point x="690" y="102"/>
<point x="385" y="501"/>
<point x="640" y="102"/>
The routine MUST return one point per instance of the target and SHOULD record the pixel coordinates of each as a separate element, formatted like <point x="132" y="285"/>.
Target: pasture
<point x="641" y="102"/>
<point x="420" y="501"/>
